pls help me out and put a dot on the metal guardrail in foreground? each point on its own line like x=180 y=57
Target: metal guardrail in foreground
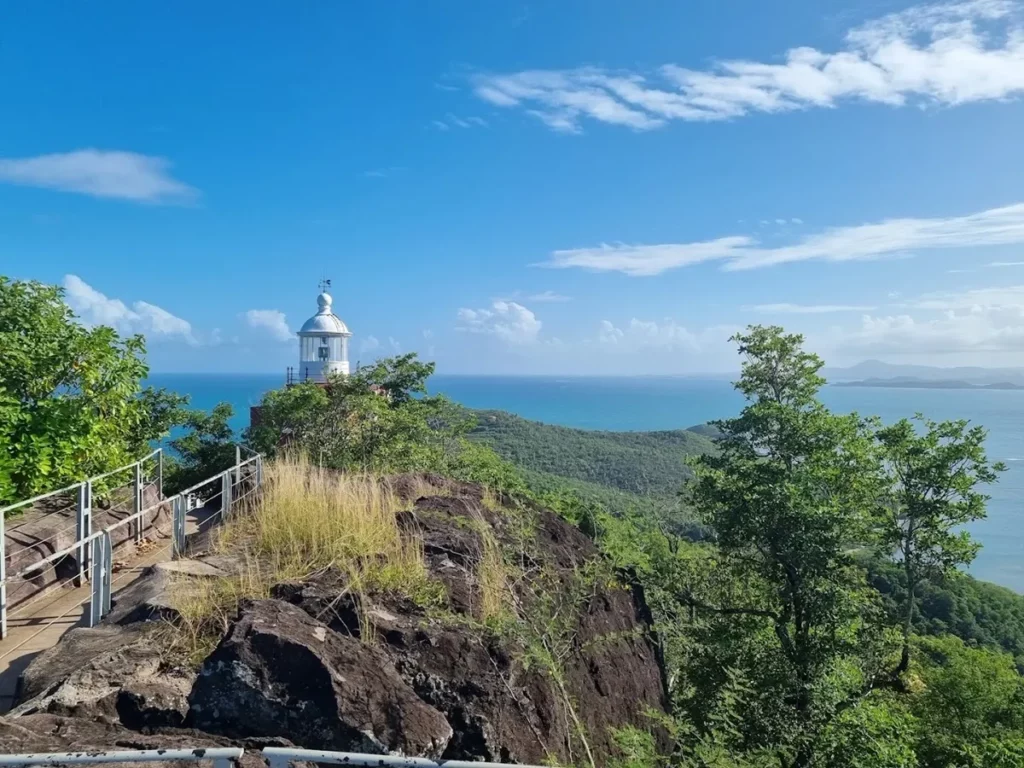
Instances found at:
x=221 y=757
x=276 y=757
x=282 y=757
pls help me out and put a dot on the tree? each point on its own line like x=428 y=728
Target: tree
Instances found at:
x=207 y=449
x=71 y=401
x=379 y=420
x=792 y=489
x=932 y=480
x=970 y=705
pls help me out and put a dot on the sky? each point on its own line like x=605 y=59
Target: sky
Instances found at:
x=572 y=187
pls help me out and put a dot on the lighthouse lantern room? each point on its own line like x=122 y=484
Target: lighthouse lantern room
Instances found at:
x=323 y=342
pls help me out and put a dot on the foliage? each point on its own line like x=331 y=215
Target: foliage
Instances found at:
x=792 y=487
x=640 y=463
x=71 y=400
x=970 y=706
x=207 y=449
x=976 y=611
x=378 y=420
x=932 y=479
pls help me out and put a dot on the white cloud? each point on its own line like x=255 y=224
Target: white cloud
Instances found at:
x=1007 y=264
x=796 y=221
x=997 y=226
x=781 y=222
x=395 y=346
x=99 y=173
x=509 y=321
x=271 y=320
x=946 y=54
x=651 y=336
x=544 y=297
x=428 y=334
x=809 y=309
x=368 y=344
x=976 y=321
x=94 y=308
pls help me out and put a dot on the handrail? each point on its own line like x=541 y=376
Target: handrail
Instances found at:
x=221 y=757
x=282 y=757
x=86 y=539
x=73 y=486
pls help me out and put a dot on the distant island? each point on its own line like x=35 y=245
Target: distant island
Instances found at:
x=904 y=382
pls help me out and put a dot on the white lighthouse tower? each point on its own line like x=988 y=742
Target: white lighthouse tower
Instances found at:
x=323 y=342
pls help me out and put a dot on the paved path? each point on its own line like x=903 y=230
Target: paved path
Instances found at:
x=33 y=628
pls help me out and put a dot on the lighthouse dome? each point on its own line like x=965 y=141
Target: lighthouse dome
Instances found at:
x=324 y=321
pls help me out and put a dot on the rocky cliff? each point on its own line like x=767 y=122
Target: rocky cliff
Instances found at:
x=529 y=650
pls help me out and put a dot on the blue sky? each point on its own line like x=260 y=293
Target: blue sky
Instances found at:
x=570 y=187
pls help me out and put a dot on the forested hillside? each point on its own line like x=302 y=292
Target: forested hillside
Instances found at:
x=641 y=463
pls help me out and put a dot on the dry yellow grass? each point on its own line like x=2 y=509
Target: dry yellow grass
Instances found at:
x=493 y=580
x=308 y=520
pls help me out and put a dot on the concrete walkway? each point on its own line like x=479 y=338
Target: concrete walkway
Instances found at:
x=39 y=625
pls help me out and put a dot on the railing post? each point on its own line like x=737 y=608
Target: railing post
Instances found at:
x=160 y=472
x=225 y=496
x=83 y=528
x=102 y=565
x=238 y=462
x=137 y=488
x=178 y=505
x=3 y=577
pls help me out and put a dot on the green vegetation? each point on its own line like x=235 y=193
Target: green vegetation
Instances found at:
x=639 y=463
x=619 y=472
x=71 y=399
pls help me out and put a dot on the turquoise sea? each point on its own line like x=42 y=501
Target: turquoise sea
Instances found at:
x=650 y=403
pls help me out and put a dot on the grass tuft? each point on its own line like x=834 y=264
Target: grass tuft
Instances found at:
x=307 y=520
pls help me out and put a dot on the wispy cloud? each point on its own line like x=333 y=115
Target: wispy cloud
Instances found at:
x=273 y=321
x=454 y=121
x=809 y=309
x=94 y=308
x=997 y=226
x=946 y=54
x=544 y=297
x=123 y=175
x=508 y=320
x=369 y=344
x=1006 y=264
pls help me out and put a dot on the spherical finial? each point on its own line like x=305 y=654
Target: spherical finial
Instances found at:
x=324 y=302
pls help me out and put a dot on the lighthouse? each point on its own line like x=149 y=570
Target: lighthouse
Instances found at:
x=323 y=342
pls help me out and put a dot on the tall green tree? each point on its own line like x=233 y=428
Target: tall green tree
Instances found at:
x=933 y=474
x=71 y=400
x=791 y=491
x=206 y=449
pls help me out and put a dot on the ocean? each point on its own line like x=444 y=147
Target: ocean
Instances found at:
x=652 y=403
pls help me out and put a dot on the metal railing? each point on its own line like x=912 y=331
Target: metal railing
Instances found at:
x=93 y=551
x=276 y=757
x=221 y=757
x=135 y=478
x=282 y=757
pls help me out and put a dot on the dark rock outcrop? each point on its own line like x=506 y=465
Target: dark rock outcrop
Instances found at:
x=279 y=672
x=325 y=665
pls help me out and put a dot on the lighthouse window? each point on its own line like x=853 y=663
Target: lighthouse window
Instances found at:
x=324 y=353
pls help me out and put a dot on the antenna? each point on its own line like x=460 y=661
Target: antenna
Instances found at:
x=325 y=283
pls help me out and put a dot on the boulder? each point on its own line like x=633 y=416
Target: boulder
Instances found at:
x=280 y=672
x=115 y=672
